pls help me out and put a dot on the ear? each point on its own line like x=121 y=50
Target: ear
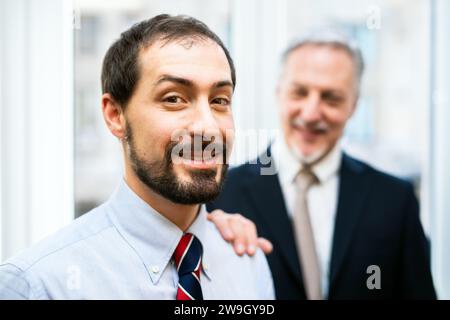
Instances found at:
x=113 y=115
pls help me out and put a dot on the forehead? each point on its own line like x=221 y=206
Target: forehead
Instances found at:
x=202 y=61
x=320 y=63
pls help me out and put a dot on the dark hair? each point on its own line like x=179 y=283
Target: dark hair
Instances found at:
x=120 y=70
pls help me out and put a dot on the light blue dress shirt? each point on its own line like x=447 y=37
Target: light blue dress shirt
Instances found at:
x=123 y=250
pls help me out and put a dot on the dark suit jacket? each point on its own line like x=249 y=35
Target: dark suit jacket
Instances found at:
x=377 y=223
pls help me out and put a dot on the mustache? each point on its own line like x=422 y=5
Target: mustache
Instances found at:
x=316 y=126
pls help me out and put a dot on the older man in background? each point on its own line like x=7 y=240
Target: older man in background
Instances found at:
x=340 y=228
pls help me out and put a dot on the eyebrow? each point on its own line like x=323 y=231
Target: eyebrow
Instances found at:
x=337 y=93
x=188 y=83
x=297 y=85
x=224 y=83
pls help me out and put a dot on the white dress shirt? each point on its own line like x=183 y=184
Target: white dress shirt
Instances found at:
x=123 y=250
x=322 y=197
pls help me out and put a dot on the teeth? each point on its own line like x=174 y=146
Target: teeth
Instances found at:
x=200 y=157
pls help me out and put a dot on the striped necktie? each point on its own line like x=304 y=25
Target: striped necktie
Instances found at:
x=188 y=261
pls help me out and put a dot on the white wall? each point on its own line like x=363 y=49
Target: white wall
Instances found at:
x=36 y=120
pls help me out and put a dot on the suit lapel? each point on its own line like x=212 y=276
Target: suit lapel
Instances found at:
x=353 y=190
x=266 y=196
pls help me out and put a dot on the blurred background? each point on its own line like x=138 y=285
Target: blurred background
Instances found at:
x=57 y=159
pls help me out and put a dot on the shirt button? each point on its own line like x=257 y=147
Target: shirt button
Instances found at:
x=155 y=269
x=205 y=266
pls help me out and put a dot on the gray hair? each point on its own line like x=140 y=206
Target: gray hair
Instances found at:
x=333 y=38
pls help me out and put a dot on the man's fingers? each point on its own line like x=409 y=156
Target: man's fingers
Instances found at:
x=220 y=219
x=265 y=245
x=240 y=231
x=240 y=238
x=252 y=237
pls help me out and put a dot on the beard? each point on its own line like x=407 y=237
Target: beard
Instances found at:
x=312 y=158
x=160 y=176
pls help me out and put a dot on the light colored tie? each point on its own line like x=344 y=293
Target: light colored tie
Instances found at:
x=305 y=238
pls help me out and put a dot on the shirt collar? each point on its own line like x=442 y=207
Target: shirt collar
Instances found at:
x=149 y=233
x=288 y=165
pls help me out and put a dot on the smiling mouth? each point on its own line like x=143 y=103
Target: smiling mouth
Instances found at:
x=311 y=131
x=199 y=156
x=308 y=135
x=315 y=128
x=204 y=158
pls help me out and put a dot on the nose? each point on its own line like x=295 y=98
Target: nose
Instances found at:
x=310 y=109
x=204 y=122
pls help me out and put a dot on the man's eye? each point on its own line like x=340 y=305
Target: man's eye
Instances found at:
x=173 y=99
x=333 y=99
x=333 y=102
x=301 y=93
x=221 y=101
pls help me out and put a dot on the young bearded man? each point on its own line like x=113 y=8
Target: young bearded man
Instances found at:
x=167 y=89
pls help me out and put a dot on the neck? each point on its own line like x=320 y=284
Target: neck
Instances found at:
x=179 y=214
